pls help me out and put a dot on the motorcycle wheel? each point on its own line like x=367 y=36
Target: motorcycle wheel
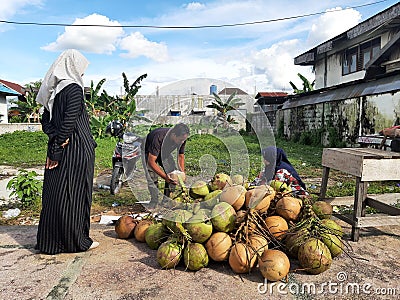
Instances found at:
x=116 y=180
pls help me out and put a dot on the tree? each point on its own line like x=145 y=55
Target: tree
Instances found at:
x=93 y=103
x=104 y=108
x=307 y=86
x=223 y=107
x=28 y=107
x=128 y=109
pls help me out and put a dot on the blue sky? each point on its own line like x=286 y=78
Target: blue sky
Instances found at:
x=253 y=57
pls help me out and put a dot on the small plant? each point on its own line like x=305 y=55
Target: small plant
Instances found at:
x=26 y=187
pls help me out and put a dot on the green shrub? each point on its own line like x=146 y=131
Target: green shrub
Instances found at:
x=27 y=188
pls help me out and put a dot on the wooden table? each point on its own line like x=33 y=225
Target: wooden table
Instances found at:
x=374 y=141
x=366 y=164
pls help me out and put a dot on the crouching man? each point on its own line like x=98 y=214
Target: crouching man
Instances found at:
x=159 y=146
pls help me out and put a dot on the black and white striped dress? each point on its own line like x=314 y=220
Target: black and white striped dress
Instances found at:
x=67 y=189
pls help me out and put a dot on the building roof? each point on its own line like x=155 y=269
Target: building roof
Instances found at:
x=270 y=94
x=231 y=90
x=389 y=17
x=13 y=86
x=348 y=90
x=7 y=91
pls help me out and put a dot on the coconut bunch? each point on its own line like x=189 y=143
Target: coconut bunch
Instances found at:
x=250 y=228
x=227 y=221
x=316 y=238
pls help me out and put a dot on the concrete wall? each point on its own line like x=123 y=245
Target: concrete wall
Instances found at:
x=3 y=109
x=11 y=127
x=349 y=118
x=333 y=72
x=161 y=105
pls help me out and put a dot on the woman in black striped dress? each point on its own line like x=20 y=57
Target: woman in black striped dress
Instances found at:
x=68 y=178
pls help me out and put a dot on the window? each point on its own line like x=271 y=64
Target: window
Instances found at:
x=350 y=61
x=369 y=50
x=355 y=59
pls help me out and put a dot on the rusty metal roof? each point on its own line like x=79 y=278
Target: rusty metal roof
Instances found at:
x=346 y=91
x=270 y=94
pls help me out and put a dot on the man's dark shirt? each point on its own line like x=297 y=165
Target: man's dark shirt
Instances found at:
x=156 y=146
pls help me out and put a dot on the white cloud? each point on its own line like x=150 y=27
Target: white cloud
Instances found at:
x=275 y=64
x=269 y=68
x=10 y=8
x=194 y=6
x=89 y=39
x=137 y=45
x=332 y=23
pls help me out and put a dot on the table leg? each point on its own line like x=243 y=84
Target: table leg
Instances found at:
x=359 y=207
x=324 y=184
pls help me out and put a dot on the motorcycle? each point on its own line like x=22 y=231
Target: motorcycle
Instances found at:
x=127 y=152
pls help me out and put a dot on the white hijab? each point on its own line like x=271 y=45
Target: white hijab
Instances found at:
x=68 y=68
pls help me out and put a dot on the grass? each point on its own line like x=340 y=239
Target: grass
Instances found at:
x=23 y=149
x=27 y=149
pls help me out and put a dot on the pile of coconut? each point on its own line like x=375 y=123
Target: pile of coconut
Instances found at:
x=250 y=227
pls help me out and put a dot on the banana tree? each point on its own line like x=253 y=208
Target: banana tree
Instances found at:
x=29 y=108
x=307 y=85
x=93 y=102
x=127 y=109
x=223 y=107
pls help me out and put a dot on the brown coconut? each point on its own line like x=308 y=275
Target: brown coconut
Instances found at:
x=242 y=258
x=258 y=243
x=218 y=246
x=234 y=195
x=140 y=230
x=124 y=227
x=288 y=207
x=259 y=198
x=323 y=209
x=277 y=226
x=274 y=264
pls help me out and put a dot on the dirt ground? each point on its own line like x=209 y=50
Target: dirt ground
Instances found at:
x=127 y=269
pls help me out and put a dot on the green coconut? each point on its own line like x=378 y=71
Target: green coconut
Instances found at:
x=219 y=181
x=201 y=215
x=237 y=179
x=199 y=189
x=195 y=256
x=169 y=254
x=294 y=240
x=333 y=227
x=176 y=216
x=200 y=232
x=323 y=209
x=223 y=217
x=334 y=243
x=314 y=256
x=280 y=186
x=211 y=199
x=155 y=235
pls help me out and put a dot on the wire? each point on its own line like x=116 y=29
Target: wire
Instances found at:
x=189 y=27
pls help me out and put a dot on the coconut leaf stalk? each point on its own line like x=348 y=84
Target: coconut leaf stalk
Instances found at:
x=253 y=224
x=312 y=227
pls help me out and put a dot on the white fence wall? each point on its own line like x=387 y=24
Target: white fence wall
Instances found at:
x=11 y=127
